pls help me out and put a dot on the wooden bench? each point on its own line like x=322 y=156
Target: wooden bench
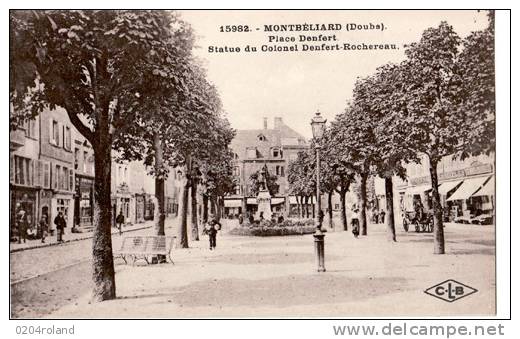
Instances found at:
x=143 y=247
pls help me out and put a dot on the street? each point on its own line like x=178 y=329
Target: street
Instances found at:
x=269 y=276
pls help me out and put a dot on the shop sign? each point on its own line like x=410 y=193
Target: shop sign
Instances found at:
x=479 y=169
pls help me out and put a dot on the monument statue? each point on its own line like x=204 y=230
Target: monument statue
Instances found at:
x=264 y=197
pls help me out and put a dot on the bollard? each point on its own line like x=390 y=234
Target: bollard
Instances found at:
x=319 y=248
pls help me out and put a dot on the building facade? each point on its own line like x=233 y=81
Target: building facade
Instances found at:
x=466 y=187
x=52 y=170
x=253 y=149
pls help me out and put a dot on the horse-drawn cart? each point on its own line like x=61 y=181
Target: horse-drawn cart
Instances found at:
x=422 y=222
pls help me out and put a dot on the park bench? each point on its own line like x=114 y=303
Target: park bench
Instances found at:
x=145 y=247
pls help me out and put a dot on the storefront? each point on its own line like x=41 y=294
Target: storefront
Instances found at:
x=473 y=198
x=62 y=203
x=139 y=208
x=23 y=199
x=232 y=207
x=149 y=208
x=84 y=201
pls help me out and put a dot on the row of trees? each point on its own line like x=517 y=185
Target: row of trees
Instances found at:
x=128 y=82
x=438 y=102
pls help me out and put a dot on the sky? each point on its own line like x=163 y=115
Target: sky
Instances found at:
x=294 y=85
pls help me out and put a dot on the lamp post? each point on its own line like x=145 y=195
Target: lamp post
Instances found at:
x=318 y=128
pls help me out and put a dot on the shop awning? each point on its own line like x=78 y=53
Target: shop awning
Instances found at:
x=233 y=203
x=251 y=201
x=445 y=187
x=487 y=189
x=468 y=187
x=276 y=201
x=418 y=189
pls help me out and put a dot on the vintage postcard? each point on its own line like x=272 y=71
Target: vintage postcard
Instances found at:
x=252 y=164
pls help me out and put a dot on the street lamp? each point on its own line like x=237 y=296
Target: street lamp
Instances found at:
x=318 y=128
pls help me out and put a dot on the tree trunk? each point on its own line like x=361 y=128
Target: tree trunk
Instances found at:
x=329 y=207
x=342 y=195
x=298 y=206
x=194 y=221
x=103 y=274
x=183 y=229
x=363 y=202
x=313 y=209
x=438 y=227
x=204 y=208
x=159 y=182
x=218 y=209
x=390 y=222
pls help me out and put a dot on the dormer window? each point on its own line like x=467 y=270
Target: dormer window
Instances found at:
x=261 y=137
x=276 y=153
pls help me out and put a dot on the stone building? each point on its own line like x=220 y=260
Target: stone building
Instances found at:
x=273 y=147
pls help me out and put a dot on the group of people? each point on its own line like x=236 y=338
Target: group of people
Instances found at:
x=25 y=232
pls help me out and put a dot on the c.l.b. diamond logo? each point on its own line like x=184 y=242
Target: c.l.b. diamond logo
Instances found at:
x=450 y=290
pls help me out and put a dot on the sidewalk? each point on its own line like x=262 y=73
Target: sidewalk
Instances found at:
x=276 y=277
x=69 y=237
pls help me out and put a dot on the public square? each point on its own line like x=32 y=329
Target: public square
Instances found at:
x=275 y=277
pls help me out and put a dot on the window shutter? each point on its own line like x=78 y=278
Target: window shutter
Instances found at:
x=56 y=176
x=71 y=180
x=46 y=175
x=51 y=134
x=11 y=168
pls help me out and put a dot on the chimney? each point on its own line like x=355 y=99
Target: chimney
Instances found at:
x=278 y=122
x=265 y=123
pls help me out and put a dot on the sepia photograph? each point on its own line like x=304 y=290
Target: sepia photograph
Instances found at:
x=252 y=164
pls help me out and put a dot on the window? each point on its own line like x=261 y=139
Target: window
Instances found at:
x=46 y=181
x=276 y=153
x=64 y=180
x=280 y=171
x=55 y=133
x=236 y=171
x=57 y=171
x=30 y=128
x=66 y=138
x=85 y=162
x=126 y=174
x=76 y=159
x=71 y=180
x=23 y=171
x=37 y=172
x=237 y=189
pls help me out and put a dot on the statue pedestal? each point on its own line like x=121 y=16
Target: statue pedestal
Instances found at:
x=264 y=205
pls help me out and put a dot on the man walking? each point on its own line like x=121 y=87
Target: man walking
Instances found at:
x=60 y=223
x=22 y=226
x=44 y=225
x=120 y=219
x=211 y=230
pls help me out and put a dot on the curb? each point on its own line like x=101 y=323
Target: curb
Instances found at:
x=72 y=240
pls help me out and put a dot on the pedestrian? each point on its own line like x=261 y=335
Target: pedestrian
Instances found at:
x=211 y=229
x=355 y=221
x=60 y=223
x=382 y=215
x=240 y=219
x=44 y=225
x=251 y=218
x=22 y=226
x=120 y=219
